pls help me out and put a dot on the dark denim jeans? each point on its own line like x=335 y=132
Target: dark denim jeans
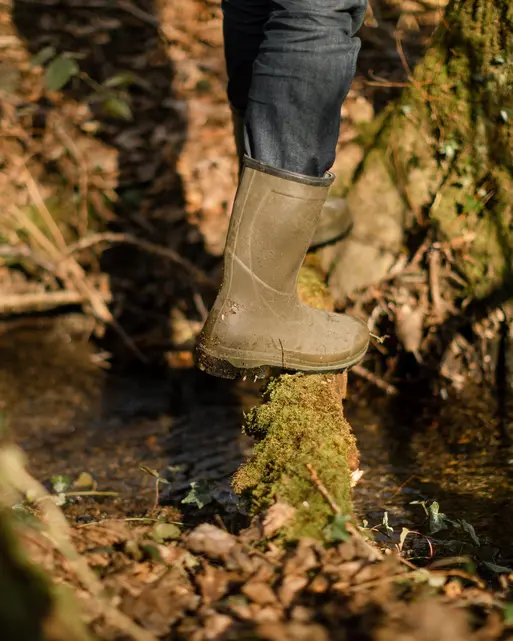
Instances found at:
x=290 y=64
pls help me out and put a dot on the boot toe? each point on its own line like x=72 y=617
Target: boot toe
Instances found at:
x=348 y=339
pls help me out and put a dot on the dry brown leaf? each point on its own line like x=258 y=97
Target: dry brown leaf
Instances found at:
x=213 y=583
x=409 y=323
x=259 y=592
x=276 y=517
x=291 y=585
x=211 y=541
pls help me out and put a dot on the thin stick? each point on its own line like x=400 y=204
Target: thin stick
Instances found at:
x=434 y=282
x=75 y=278
x=37 y=301
x=165 y=252
x=90 y=493
x=38 y=201
x=379 y=382
x=24 y=251
x=83 y=176
x=374 y=553
x=322 y=489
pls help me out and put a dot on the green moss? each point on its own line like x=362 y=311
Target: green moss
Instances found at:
x=370 y=131
x=312 y=290
x=300 y=422
x=461 y=104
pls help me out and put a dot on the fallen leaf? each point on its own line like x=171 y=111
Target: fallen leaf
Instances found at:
x=276 y=517
x=259 y=592
x=211 y=541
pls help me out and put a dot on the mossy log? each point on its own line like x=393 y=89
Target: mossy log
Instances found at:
x=441 y=158
x=300 y=423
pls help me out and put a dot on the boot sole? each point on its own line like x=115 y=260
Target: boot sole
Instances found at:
x=223 y=368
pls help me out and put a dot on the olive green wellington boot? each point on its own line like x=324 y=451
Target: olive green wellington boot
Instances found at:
x=257 y=321
x=335 y=221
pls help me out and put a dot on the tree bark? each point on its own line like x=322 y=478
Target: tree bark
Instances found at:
x=440 y=162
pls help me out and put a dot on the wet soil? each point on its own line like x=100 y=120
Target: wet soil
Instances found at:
x=72 y=416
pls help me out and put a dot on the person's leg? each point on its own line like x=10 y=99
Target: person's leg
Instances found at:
x=300 y=78
x=243 y=31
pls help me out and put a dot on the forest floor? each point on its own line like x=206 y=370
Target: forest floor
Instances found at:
x=137 y=151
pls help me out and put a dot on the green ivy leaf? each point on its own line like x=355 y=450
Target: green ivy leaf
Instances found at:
x=437 y=520
x=200 y=494
x=508 y=614
x=337 y=531
x=121 y=79
x=59 y=72
x=116 y=107
x=42 y=57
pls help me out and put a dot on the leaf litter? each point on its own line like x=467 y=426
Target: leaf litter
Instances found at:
x=211 y=584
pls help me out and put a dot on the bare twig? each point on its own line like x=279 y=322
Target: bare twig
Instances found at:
x=24 y=251
x=376 y=380
x=434 y=282
x=322 y=489
x=38 y=201
x=83 y=176
x=38 y=301
x=373 y=583
x=373 y=553
x=90 y=493
x=152 y=248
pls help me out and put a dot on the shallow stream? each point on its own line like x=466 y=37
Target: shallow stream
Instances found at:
x=71 y=416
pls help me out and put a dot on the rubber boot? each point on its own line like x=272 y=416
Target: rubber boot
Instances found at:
x=335 y=221
x=257 y=321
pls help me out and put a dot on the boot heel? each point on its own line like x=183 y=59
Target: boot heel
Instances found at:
x=223 y=369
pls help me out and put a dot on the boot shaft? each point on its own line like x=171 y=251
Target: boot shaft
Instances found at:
x=274 y=218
